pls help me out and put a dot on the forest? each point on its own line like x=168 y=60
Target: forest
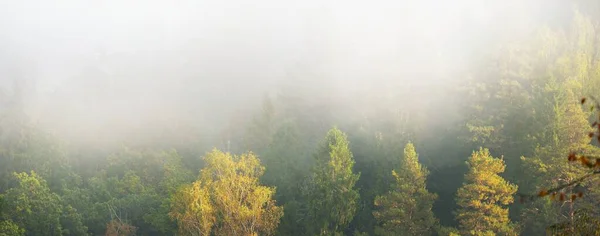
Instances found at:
x=476 y=142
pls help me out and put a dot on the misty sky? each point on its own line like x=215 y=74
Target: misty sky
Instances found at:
x=89 y=64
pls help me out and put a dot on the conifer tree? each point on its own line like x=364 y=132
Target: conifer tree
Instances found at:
x=483 y=198
x=332 y=199
x=406 y=209
x=287 y=169
x=568 y=132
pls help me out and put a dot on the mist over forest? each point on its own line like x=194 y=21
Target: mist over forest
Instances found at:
x=299 y=118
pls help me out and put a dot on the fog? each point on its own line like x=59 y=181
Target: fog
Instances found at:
x=324 y=117
x=92 y=69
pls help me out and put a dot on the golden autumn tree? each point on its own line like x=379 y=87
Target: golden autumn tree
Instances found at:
x=483 y=198
x=192 y=209
x=227 y=199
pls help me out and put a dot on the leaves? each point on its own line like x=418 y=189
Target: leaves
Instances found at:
x=9 y=228
x=227 y=199
x=32 y=206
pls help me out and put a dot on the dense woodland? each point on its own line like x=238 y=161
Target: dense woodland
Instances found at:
x=313 y=164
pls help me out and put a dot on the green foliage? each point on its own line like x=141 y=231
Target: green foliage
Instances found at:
x=36 y=151
x=548 y=164
x=332 y=197
x=33 y=207
x=72 y=222
x=286 y=166
x=406 y=209
x=375 y=154
x=134 y=187
x=260 y=132
x=358 y=233
x=9 y=228
x=483 y=197
x=447 y=231
x=284 y=162
x=585 y=222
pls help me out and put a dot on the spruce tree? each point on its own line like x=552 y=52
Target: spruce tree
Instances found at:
x=483 y=198
x=406 y=209
x=332 y=199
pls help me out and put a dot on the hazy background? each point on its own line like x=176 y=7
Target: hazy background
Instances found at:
x=105 y=70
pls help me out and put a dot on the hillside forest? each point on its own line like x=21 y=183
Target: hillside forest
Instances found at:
x=414 y=159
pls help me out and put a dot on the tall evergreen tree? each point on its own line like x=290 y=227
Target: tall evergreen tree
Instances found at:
x=332 y=199
x=287 y=168
x=375 y=157
x=406 y=209
x=567 y=132
x=483 y=198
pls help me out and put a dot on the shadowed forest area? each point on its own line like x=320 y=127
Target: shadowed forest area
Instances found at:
x=313 y=118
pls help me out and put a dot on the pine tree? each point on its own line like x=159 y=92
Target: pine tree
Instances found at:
x=332 y=199
x=567 y=133
x=483 y=198
x=406 y=209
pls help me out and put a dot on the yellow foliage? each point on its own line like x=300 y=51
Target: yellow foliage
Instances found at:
x=227 y=199
x=483 y=197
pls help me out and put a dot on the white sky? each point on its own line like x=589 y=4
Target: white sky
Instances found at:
x=188 y=56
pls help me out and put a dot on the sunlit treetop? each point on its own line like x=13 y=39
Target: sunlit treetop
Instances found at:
x=590 y=162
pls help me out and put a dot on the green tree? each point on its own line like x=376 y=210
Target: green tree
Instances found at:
x=287 y=168
x=376 y=155
x=406 y=209
x=71 y=221
x=32 y=149
x=260 y=131
x=25 y=147
x=483 y=198
x=132 y=189
x=227 y=199
x=332 y=199
x=33 y=207
x=566 y=132
x=9 y=228
x=284 y=162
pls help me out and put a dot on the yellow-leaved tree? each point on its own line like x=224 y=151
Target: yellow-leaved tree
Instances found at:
x=227 y=199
